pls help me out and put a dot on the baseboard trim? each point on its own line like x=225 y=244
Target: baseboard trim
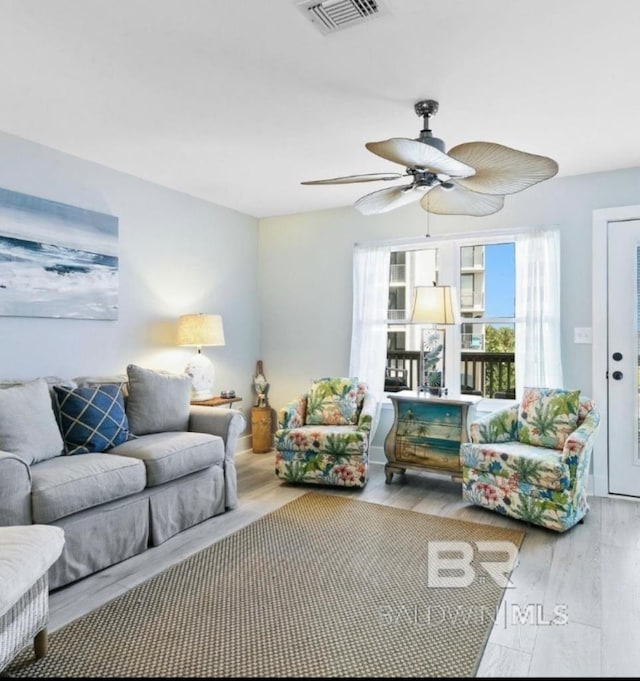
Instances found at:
x=377 y=455
x=244 y=444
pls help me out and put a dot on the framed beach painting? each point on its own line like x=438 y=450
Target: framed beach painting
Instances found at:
x=56 y=260
x=432 y=359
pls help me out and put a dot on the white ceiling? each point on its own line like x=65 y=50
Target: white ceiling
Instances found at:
x=238 y=101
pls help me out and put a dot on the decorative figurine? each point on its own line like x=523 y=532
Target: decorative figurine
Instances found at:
x=261 y=386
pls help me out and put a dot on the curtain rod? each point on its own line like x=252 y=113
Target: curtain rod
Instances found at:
x=425 y=240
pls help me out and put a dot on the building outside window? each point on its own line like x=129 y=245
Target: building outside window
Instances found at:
x=483 y=347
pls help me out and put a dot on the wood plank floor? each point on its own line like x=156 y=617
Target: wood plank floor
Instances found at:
x=591 y=572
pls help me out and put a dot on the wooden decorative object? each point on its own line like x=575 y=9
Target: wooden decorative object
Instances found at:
x=260 y=386
x=261 y=430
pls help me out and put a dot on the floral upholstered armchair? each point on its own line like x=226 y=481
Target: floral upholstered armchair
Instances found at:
x=323 y=436
x=531 y=460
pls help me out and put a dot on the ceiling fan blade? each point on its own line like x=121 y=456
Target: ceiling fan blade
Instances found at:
x=388 y=199
x=414 y=154
x=461 y=201
x=500 y=169
x=369 y=177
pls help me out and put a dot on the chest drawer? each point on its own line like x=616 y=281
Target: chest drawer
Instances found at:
x=430 y=412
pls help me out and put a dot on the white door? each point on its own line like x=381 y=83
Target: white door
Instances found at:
x=623 y=348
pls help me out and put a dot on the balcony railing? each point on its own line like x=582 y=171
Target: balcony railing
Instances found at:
x=472 y=341
x=490 y=374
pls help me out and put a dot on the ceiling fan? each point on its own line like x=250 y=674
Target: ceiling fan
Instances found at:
x=471 y=179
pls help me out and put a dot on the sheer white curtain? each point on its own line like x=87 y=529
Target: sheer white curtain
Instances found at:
x=370 y=305
x=538 y=351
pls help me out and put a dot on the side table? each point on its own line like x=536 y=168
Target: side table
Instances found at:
x=217 y=401
x=427 y=433
x=261 y=430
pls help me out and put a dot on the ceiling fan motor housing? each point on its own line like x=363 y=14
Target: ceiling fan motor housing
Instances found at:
x=426 y=137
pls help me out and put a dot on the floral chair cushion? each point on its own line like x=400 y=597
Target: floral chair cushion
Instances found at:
x=524 y=463
x=547 y=416
x=338 y=441
x=332 y=402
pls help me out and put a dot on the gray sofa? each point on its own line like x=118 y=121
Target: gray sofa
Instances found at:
x=115 y=503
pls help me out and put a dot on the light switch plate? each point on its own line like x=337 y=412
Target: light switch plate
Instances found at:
x=582 y=334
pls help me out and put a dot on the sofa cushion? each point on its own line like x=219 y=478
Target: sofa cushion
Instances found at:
x=520 y=463
x=547 y=416
x=91 y=418
x=28 y=425
x=332 y=402
x=120 y=380
x=158 y=401
x=68 y=484
x=168 y=456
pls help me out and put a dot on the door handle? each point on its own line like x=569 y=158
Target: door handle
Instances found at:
x=617 y=375
x=617 y=356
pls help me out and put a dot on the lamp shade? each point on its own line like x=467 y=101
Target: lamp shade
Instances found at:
x=200 y=330
x=435 y=305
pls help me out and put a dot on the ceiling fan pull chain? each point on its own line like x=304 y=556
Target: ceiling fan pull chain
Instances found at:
x=428 y=234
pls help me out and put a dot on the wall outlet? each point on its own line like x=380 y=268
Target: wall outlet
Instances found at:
x=582 y=334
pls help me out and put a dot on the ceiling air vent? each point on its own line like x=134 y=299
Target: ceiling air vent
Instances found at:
x=332 y=15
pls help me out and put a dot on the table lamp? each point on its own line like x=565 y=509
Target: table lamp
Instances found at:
x=433 y=305
x=200 y=330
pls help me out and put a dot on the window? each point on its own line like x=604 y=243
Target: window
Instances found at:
x=524 y=262
x=483 y=347
x=487 y=286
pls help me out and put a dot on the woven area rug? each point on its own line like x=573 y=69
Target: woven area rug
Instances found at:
x=323 y=587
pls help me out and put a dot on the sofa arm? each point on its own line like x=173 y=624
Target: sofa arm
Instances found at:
x=15 y=490
x=293 y=414
x=498 y=426
x=227 y=424
x=576 y=454
x=579 y=445
x=221 y=421
x=368 y=412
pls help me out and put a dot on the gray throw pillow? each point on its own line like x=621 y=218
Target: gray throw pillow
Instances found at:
x=28 y=426
x=158 y=401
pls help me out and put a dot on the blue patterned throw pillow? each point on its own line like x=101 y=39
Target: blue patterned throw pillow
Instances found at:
x=91 y=418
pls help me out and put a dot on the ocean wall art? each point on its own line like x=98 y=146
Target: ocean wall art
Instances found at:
x=56 y=260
